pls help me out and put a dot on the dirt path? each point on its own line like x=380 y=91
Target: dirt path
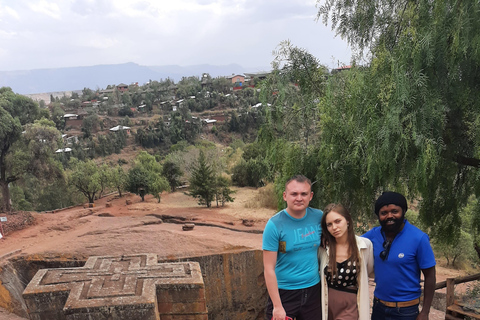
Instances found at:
x=138 y=227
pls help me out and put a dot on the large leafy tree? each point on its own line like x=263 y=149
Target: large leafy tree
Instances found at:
x=410 y=119
x=10 y=130
x=18 y=155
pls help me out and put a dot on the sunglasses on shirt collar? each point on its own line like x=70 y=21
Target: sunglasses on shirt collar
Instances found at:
x=386 y=249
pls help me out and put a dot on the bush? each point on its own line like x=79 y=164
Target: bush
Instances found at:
x=250 y=173
x=266 y=198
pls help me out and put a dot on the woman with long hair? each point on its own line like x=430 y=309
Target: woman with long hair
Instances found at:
x=346 y=262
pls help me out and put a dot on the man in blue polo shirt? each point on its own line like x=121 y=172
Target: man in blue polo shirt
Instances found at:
x=290 y=242
x=401 y=251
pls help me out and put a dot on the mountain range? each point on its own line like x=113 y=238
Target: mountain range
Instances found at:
x=100 y=76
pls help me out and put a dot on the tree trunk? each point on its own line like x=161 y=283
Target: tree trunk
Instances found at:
x=477 y=248
x=119 y=192
x=6 y=207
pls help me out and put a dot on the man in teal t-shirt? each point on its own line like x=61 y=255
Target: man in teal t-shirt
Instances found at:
x=290 y=242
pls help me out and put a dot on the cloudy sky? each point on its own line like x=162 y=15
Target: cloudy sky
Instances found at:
x=36 y=34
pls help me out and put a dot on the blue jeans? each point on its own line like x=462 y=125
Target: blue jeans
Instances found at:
x=382 y=312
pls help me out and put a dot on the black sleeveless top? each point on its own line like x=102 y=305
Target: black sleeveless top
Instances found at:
x=346 y=278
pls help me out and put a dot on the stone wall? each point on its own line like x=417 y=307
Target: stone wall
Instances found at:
x=235 y=285
x=234 y=282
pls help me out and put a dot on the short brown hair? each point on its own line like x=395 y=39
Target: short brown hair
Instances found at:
x=299 y=178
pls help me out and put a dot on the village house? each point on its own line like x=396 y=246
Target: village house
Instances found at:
x=122 y=87
x=237 y=79
x=210 y=122
x=120 y=127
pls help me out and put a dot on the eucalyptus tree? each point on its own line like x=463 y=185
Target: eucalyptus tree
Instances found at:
x=10 y=131
x=28 y=153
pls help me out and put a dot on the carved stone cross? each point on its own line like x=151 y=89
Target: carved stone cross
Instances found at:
x=113 y=288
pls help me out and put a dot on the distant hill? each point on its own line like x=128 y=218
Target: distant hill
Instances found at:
x=93 y=77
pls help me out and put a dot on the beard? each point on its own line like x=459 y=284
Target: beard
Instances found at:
x=392 y=228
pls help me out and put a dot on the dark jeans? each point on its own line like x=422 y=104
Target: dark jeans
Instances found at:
x=301 y=304
x=382 y=312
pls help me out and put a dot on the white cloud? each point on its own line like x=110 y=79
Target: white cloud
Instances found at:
x=51 y=9
x=59 y=33
x=9 y=11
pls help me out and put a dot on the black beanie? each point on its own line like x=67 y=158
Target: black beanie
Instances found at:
x=390 y=197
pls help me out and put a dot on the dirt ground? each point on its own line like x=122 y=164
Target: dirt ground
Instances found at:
x=148 y=227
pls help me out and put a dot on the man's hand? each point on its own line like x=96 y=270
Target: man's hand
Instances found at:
x=428 y=292
x=279 y=313
x=422 y=316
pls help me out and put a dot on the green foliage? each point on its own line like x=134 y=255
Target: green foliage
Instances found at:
x=223 y=192
x=118 y=178
x=85 y=177
x=32 y=193
x=57 y=116
x=410 y=120
x=293 y=90
x=145 y=177
x=90 y=125
x=266 y=198
x=16 y=110
x=113 y=142
x=253 y=151
x=462 y=249
x=251 y=173
x=172 y=172
x=87 y=94
x=152 y=135
x=203 y=181
x=221 y=84
x=188 y=86
x=183 y=127
x=35 y=151
x=18 y=106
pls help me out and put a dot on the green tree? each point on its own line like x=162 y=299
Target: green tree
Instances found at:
x=105 y=178
x=15 y=159
x=172 y=172
x=203 y=181
x=18 y=106
x=34 y=152
x=57 y=116
x=188 y=86
x=88 y=94
x=10 y=130
x=119 y=179
x=90 y=125
x=293 y=90
x=221 y=84
x=85 y=177
x=417 y=128
x=145 y=177
x=223 y=192
x=251 y=173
